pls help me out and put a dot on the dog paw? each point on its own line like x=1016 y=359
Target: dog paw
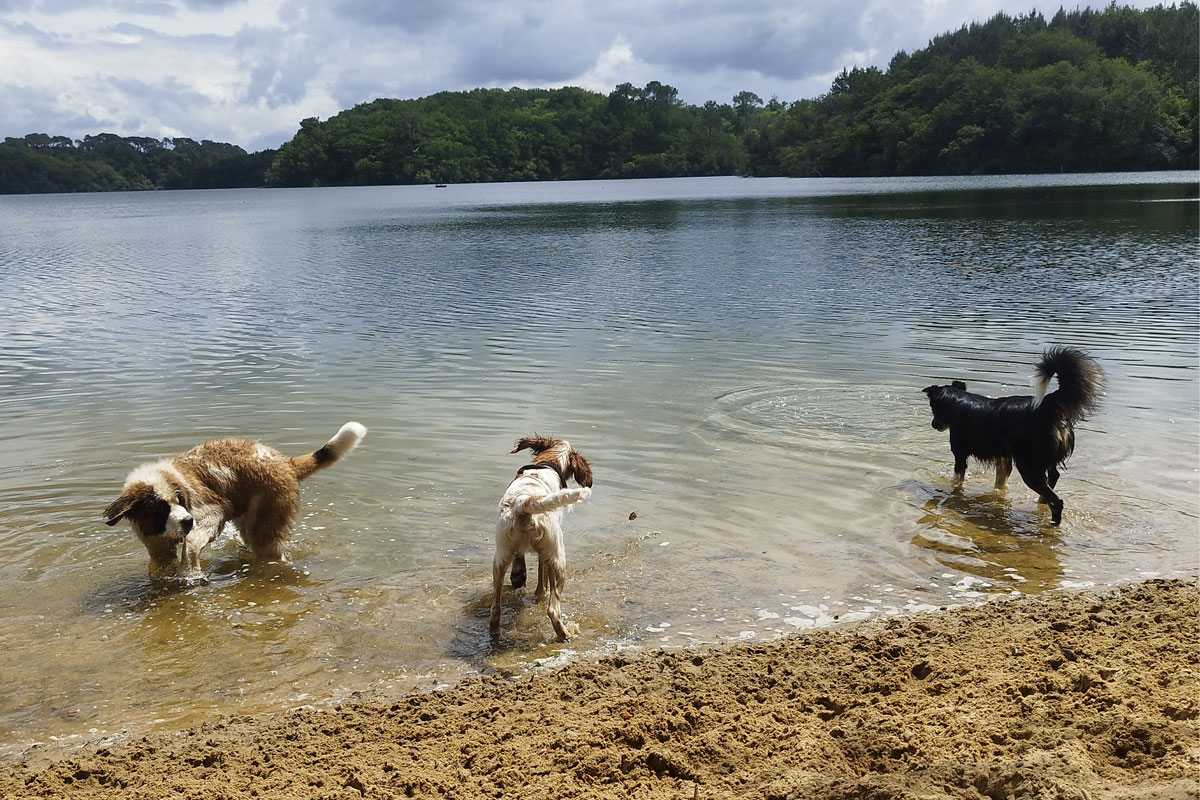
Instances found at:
x=584 y=493
x=517 y=574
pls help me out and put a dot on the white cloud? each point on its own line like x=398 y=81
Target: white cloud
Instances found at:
x=613 y=66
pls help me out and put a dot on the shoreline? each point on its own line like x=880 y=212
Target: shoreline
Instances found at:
x=1082 y=694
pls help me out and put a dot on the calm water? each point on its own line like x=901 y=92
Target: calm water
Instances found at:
x=741 y=360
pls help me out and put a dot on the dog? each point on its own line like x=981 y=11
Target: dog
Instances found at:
x=530 y=521
x=187 y=499
x=1036 y=434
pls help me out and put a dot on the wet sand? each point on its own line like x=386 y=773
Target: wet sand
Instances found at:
x=1062 y=696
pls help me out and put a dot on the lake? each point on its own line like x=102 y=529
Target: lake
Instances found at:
x=741 y=360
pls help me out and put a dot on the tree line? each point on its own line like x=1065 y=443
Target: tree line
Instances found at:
x=107 y=162
x=1087 y=90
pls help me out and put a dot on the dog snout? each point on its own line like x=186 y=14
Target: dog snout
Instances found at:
x=186 y=524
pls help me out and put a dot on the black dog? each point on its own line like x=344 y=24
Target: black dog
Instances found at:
x=1037 y=434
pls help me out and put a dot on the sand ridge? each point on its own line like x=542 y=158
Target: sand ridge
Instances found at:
x=1064 y=696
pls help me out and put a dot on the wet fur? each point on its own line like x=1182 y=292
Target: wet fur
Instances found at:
x=1036 y=434
x=530 y=521
x=187 y=499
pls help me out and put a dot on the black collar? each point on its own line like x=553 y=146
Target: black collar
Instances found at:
x=544 y=465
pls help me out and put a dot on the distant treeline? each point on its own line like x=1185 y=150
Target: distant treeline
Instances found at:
x=1088 y=90
x=107 y=162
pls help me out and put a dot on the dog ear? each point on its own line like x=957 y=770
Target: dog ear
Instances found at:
x=118 y=508
x=580 y=468
x=535 y=444
x=121 y=507
x=959 y=385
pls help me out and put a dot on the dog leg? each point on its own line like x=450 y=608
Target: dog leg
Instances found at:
x=193 y=544
x=1056 y=509
x=541 y=586
x=556 y=575
x=265 y=527
x=1053 y=473
x=1003 y=470
x=517 y=576
x=1035 y=478
x=960 y=469
x=270 y=548
x=265 y=531
x=499 y=567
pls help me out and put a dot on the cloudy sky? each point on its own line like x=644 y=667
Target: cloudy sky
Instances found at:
x=247 y=71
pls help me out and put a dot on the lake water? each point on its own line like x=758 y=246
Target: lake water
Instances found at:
x=741 y=361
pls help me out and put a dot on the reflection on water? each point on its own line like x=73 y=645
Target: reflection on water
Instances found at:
x=982 y=534
x=741 y=361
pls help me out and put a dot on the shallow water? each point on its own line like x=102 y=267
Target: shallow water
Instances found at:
x=741 y=361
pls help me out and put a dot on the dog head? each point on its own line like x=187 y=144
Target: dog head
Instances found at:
x=941 y=403
x=155 y=503
x=570 y=462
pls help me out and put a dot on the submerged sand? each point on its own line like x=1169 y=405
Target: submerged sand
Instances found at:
x=1074 y=695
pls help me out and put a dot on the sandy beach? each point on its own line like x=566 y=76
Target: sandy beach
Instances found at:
x=1065 y=696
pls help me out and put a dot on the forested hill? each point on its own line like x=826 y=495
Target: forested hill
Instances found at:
x=1085 y=91
x=1114 y=89
x=107 y=162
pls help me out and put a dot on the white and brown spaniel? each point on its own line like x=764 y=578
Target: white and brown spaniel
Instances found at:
x=530 y=521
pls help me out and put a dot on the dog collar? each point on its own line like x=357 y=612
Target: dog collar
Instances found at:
x=544 y=465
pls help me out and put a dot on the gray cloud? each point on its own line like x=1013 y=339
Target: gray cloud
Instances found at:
x=167 y=93
x=56 y=7
x=42 y=39
x=277 y=64
x=417 y=17
x=129 y=29
x=210 y=5
x=151 y=9
x=526 y=48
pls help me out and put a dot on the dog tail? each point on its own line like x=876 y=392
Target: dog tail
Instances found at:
x=555 y=500
x=1080 y=383
x=343 y=442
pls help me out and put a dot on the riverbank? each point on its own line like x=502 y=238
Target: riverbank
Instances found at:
x=1073 y=695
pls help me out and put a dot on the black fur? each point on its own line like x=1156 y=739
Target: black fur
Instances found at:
x=1037 y=438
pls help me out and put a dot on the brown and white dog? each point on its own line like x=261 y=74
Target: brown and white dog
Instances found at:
x=530 y=521
x=187 y=499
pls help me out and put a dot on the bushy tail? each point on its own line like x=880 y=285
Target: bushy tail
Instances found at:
x=1080 y=383
x=552 y=501
x=343 y=442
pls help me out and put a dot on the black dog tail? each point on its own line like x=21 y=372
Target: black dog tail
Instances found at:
x=1080 y=383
